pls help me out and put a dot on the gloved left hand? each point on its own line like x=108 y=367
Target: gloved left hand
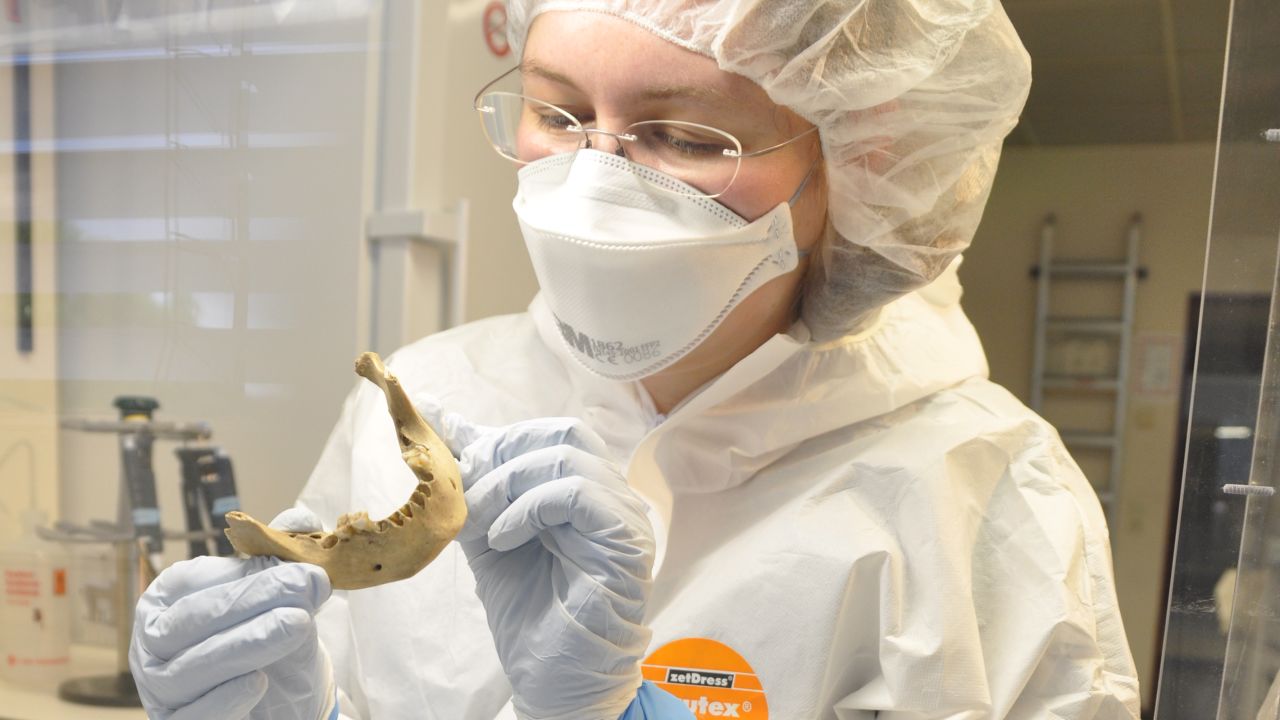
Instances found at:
x=228 y=638
x=562 y=551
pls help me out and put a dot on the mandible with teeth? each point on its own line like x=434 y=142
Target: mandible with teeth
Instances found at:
x=361 y=552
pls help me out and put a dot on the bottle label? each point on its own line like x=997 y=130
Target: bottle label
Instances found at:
x=19 y=661
x=21 y=586
x=35 y=618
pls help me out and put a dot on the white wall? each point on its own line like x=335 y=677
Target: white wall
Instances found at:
x=454 y=159
x=1094 y=191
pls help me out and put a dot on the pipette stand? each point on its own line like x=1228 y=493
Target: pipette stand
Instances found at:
x=134 y=570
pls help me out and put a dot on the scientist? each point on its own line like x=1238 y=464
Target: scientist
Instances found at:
x=739 y=458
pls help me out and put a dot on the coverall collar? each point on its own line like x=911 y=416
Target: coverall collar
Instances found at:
x=788 y=391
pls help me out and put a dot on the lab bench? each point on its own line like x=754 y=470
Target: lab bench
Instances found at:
x=18 y=702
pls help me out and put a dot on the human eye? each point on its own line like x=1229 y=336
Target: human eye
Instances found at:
x=688 y=141
x=542 y=116
x=551 y=120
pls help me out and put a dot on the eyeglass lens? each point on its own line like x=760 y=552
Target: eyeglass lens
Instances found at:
x=525 y=129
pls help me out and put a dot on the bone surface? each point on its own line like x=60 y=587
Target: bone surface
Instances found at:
x=362 y=552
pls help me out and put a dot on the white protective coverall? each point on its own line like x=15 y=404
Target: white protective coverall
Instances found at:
x=868 y=522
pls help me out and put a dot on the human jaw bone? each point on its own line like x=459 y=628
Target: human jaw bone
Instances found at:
x=361 y=552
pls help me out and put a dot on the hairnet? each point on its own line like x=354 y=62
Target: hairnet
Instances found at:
x=912 y=99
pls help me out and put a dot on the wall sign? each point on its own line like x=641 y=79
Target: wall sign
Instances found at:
x=495 y=29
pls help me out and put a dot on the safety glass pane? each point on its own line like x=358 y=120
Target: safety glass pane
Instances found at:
x=1221 y=653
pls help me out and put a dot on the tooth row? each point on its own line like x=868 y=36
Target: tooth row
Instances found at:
x=359 y=522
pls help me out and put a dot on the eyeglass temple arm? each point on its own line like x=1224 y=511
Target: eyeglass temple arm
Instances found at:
x=475 y=102
x=782 y=144
x=804 y=183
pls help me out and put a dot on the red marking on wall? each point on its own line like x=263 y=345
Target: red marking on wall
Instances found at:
x=495 y=29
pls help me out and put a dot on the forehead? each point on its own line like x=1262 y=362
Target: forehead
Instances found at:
x=608 y=57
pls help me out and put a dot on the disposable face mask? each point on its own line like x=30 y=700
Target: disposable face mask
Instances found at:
x=636 y=277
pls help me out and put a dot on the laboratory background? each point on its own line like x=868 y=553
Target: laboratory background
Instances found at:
x=209 y=209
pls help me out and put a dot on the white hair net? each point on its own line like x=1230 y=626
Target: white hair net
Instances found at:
x=912 y=99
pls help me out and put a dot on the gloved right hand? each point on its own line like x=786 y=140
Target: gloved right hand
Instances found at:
x=229 y=638
x=562 y=552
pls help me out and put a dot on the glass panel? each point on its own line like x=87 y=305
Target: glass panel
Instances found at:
x=183 y=194
x=1221 y=640
x=196 y=166
x=216 y=206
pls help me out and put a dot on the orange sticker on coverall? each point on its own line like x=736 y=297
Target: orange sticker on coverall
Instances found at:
x=712 y=679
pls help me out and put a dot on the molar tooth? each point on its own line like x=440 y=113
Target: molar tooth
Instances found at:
x=419 y=499
x=383 y=525
x=397 y=519
x=359 y=522
x=407 y=510
x=329 y=542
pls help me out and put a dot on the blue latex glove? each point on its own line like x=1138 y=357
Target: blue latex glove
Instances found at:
x=562 y=551
x=229 y=638
x=654 y=703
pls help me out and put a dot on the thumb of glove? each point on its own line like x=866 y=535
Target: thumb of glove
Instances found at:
x=298 y=520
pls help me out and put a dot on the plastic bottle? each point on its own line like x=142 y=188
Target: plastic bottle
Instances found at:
x=35 y=609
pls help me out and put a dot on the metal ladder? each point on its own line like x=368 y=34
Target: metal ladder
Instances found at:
x=1129 y=273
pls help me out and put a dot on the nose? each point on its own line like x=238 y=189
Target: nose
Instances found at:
x=605 y=141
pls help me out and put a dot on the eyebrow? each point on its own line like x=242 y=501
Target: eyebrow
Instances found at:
x=533 y=67
x=706 y=95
